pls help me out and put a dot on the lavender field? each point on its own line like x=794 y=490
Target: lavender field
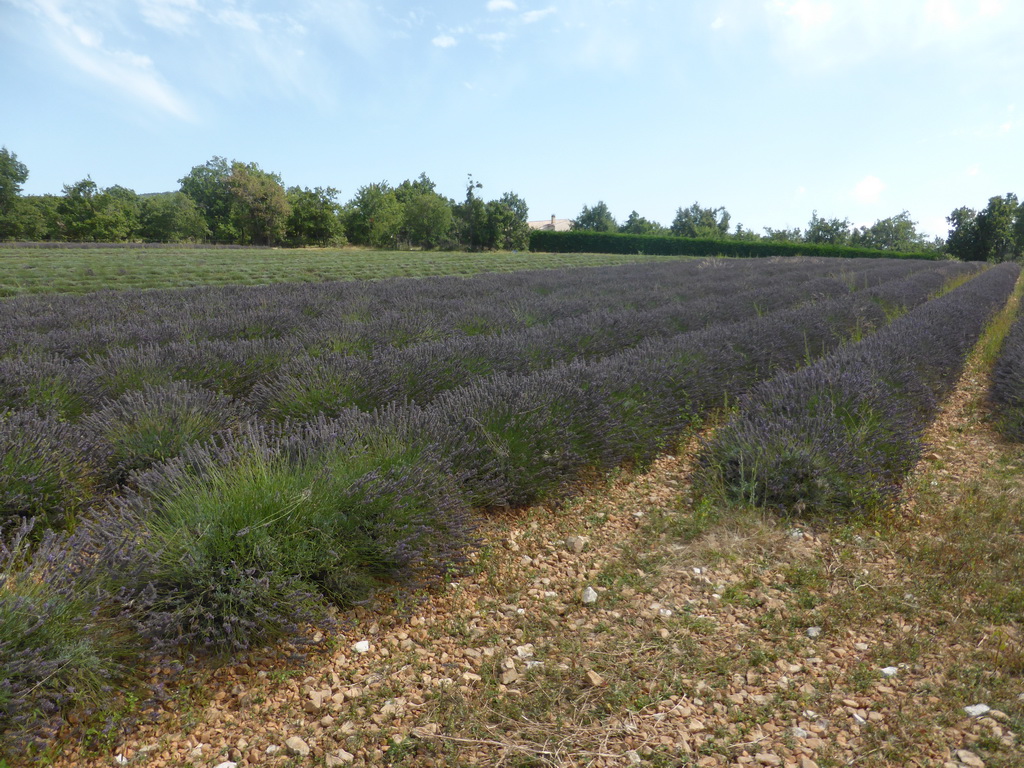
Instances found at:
x=207 y=470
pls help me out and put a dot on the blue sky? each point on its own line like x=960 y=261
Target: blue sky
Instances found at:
x=771 y=108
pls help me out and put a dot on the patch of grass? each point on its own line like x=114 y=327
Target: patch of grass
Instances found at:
x=82 y=270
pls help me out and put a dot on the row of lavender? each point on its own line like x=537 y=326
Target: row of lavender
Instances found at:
x=234 y=543
x=72 y=370
x=136 y=408
x=1007 y=391
x=840 y=435
x=362 y=315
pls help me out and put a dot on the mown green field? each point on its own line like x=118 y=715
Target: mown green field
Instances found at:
x=80 y=270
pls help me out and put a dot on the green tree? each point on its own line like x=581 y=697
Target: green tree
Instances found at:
x=747 y=235
x=259 y=206
x=638 y=225
x=963 y=242
x=374 y=216
x=427 y=217
x=13 y=175
x=427 y=220
x=316 y=217
x=696 y=221
x=77 y=210
x=507 y=223
x=793 y=235
x=33 y=217
x=471 y=218
x=996 y=229
x=171 y=217
x=820 y=230
x=207 y=185
x=596 y=219
x=896 y=233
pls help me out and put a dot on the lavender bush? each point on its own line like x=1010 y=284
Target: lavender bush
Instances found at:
x=840 y=434
x=66 y=643
x=49 y=468
x=1007 y=391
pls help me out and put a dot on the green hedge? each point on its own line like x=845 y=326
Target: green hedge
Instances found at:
x=609 y=242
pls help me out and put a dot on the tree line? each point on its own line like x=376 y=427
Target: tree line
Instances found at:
x=231 y=202
x=995 y=233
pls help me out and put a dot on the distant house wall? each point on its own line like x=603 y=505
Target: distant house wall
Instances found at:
x=552 y=224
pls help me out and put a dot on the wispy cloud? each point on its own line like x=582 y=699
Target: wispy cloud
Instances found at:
x=242 y=20
x=830 y=33
x=501 y=5
x=533 y=16
x=169 y=15
x=868 y=190
x=130 y=73
x=444 y=41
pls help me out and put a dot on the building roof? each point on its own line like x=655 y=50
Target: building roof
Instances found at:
x=552 y=224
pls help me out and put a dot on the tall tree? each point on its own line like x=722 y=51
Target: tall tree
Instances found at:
x=962 y=242
x=696 y=221
x=13 y=174
x=259 y=206
x=471 y=218
x=896 y=233
x=596 y=219
x=315 y=218
x=507 y=223
x=638 y=225
x=374 y=216
x=793 y=235
x=207 y=185
x=821 y=230
x=996 y=225
x=171 y=217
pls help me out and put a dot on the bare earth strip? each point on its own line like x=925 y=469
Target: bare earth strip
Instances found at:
x=716 y=638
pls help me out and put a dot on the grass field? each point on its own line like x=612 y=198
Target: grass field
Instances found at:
x=81 y=270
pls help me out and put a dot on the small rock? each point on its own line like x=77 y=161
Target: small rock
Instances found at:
x=806 y=762
x=977 y=710
x=813 y=632
x=575 y=544
x=766 y=758
x=524 y=651
x=633 y=757
x=508 y=676
x=339 y=757
x=889 y=671
x=120 y=759
x=273 y=749
x=799 y=733
x=589 y=596
x=297 y=746
x=227 y=764
x=594 y=679
x=861 y=646
x=969 y=759
x=363 y=646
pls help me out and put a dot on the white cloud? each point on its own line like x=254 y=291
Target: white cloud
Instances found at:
x=238 y=19
x=718 y=23
x=444 y=41
x=131 y=73
x=868 y=189
x=830 y=33
x=169 y=15
x=532 y=16
x=495 y=38
x=501 y=5
x=973 y=169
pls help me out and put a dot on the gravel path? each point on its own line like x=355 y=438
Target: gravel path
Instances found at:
x=712 y=639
